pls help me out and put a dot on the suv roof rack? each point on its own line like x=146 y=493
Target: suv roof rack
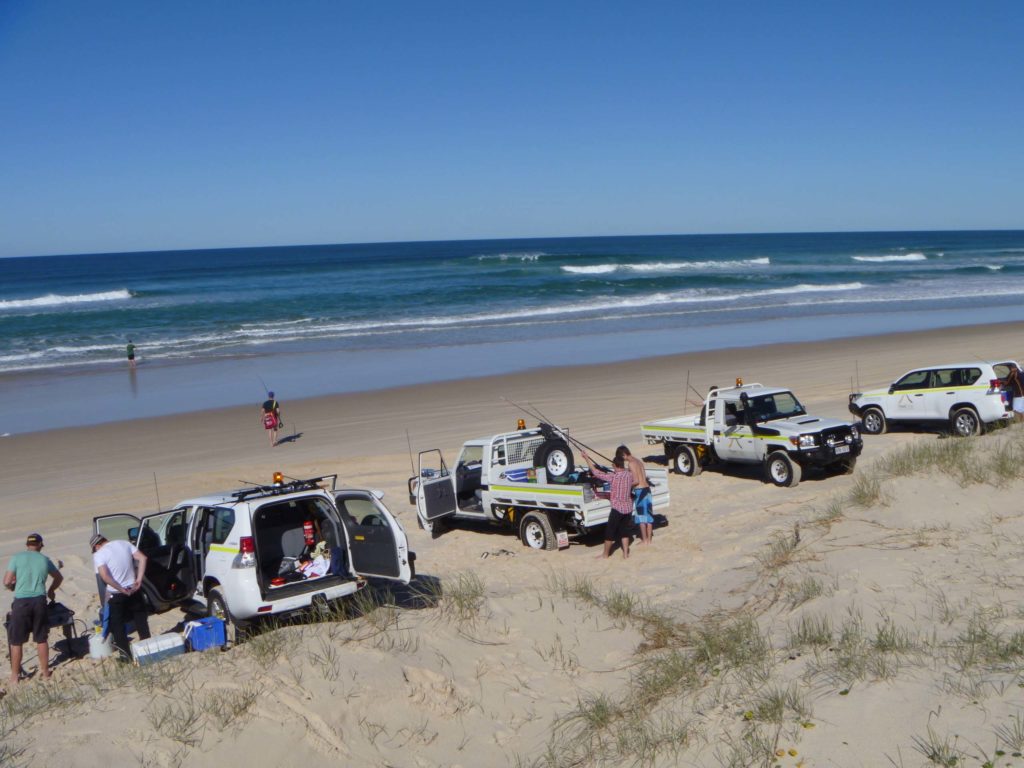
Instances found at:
x=292 y=486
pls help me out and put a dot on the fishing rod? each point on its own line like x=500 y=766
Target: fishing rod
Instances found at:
x=535 y=413
x=266 y=390
x=408 y=442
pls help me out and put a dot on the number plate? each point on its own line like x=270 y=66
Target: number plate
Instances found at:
x=842 y=449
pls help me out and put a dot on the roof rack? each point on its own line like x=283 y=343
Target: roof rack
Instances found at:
x=292 y=486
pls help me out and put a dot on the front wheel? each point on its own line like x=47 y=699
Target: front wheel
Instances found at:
x=873 y=421
x=536 y=531
x=965 y=422
x=686 y=462
x=782 y=470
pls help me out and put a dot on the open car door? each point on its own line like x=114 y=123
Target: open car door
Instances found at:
x=377 y=543
x=435 y=494
x=169 y=578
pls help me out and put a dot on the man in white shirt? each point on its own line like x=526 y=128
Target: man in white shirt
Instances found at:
x=121 y=566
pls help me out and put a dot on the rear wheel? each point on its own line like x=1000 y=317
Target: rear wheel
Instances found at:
x=965 y=422
x=873 y=421
x=782 y=470
x=536 y=531
x=217 y=607
x=686 y=462
x=555 y=457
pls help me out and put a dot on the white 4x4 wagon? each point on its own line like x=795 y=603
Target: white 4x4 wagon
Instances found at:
x=266 y=550
x=967 y=396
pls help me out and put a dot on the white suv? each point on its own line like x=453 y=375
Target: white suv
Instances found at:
x=266 y=550
x=967 y=396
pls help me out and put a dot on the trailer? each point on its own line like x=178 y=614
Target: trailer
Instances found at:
x=525 y=481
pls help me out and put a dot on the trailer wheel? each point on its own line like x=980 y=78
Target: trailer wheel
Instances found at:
x=555 y=456
x=782 y=470
x=686 y=462
x=536 y=531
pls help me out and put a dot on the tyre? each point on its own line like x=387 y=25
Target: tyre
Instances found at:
x=536 y=531
x=964 y=422
x=217 y=607
x=686 y=462
x=873 y=421
x=782 y=470
x=555 y=457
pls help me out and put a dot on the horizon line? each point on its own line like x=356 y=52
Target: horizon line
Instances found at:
x=505 y=239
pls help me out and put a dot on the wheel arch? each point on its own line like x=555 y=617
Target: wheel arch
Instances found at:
x=957 y=406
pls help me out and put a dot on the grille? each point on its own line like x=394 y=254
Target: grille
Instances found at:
x=839 y=436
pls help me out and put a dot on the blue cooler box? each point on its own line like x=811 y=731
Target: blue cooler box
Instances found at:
x=205 y=634
x=157 y=648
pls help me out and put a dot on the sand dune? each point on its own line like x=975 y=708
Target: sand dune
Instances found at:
x=853 y=623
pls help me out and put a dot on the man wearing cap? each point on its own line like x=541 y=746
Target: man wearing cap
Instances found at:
x=26 y=577
x=121 y=566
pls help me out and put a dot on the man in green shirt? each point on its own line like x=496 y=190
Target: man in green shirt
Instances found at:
x=26 y=577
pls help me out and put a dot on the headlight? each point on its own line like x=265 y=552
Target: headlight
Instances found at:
x=808 y=441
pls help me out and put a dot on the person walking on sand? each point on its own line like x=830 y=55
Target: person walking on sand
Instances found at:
x=121 y=566
x=620 y=516
x=26 y=577
x=643 y=510
x=130 y=349
x=270 y=416
x=1016 y=387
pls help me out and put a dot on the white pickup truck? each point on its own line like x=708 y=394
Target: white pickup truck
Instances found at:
x=754 y=424
x=525 y=480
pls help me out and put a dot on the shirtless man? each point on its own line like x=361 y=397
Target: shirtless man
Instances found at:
x=643 y=511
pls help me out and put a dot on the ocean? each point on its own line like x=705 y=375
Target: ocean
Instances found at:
x=392 y=313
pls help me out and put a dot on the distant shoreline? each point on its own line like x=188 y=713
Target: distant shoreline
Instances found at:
x=57 y=400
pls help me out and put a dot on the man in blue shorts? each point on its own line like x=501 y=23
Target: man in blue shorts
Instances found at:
x=26 y=577
x=643 y=510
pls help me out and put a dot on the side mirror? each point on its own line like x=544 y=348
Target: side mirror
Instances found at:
x=892 y=388
x=730 y=420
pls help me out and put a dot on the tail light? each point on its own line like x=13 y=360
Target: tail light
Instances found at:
x=246 y=552
x=995 y=383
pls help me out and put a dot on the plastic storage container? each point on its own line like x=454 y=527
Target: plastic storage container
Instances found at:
x=157 y=648
x=99 y=646
x=205 y=634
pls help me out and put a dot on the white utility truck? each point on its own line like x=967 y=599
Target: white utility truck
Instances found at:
x=754 y=424
x=525 y=481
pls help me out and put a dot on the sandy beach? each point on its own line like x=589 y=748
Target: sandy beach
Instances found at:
x=840 y=626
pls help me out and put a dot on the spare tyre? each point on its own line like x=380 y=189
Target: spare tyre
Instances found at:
x=554 y=457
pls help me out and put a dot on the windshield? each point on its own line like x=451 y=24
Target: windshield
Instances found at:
x=781 y=405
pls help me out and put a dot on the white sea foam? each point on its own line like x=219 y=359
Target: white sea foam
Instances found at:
x=993 y=267
x=892 y=257
x=514 y=256
x=55 y=299
x=666 y=266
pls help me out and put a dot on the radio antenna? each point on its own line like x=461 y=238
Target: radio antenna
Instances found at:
x=408 y=442
x=685 y=401
x=156 y=490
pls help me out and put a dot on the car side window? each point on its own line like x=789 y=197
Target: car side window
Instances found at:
x=946 y=377
x=969 y=375
x=913 y=380
x=222 y=523
x=362 y=512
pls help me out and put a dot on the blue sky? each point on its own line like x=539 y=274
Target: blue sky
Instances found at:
x=140 y=125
